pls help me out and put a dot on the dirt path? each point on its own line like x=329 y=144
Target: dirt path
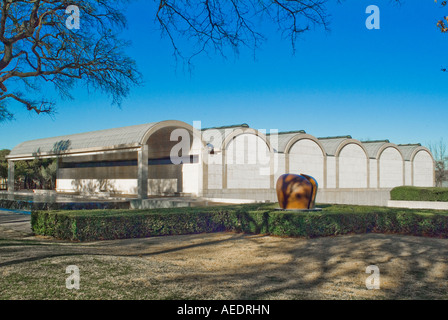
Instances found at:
x=223 y=266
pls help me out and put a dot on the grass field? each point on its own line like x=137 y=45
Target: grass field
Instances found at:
x=225 y=265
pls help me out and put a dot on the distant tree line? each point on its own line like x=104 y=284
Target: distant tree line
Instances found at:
x=34 y=174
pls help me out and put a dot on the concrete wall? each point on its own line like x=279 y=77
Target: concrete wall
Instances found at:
x=373 y=172
x=390 y=168
x=256 y=195
x=279 y=167
x=306 y=157
x=191 y=178
x=331 y=172
x=352 y=167
x=215 y=168
x=368 y=197
x=423 y=170
x=432 y=205
x=408 y=173
x=247 y=163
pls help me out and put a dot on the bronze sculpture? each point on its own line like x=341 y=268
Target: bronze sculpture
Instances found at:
x=296 y=191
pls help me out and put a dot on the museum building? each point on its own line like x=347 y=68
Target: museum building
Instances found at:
x=233 y=163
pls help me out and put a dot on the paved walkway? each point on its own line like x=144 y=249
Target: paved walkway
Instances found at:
x=15 y=225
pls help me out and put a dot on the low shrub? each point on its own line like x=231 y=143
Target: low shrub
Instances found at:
x=91 y=225
x=409 y=193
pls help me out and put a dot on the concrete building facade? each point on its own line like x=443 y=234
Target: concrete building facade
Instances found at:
x=234 y=162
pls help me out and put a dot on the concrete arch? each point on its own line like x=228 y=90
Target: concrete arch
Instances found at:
x=418 y=149
x=163 y=178
x=389 y=145
x=383 y=182
x=171 y=123
x=234 y=135
x=297 y=139
x=345 y=143
x=240 y=131
x=350 y=141
x=302 y=136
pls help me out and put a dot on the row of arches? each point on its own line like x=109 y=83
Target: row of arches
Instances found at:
x=240 y=157
x=251 y=159
x=138 y=159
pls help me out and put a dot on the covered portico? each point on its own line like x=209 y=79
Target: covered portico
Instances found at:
x=134 y=160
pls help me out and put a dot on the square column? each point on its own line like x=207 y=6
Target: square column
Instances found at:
x=142 y=175
x=10 y=176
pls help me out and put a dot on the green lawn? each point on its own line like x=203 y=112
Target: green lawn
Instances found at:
x=231 y=252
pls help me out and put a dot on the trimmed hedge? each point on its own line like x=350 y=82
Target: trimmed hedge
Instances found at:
x=254 y=219
x=408 y=193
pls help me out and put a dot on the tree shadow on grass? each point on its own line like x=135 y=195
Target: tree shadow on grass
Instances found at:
x=17 y=249
x=335 y=268
x=277 y=268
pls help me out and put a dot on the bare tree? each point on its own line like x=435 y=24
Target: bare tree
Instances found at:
x=441 y=23
x=217 y=25
x=439 y=152
x=37 y=46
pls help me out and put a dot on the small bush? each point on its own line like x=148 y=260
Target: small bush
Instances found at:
x=408 y=193
x=91 y=225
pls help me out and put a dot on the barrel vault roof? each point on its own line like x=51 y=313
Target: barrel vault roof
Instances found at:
x=94 y=140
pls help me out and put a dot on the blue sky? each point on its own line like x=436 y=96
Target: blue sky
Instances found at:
x=371 y=84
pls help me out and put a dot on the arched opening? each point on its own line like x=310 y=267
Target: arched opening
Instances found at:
x=173 y=161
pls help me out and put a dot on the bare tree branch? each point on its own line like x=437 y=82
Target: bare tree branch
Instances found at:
x=217 y=25
x=35 y=43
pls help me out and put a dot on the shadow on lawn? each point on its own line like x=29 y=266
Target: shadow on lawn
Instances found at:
x=335 y=268
x=278 y=268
